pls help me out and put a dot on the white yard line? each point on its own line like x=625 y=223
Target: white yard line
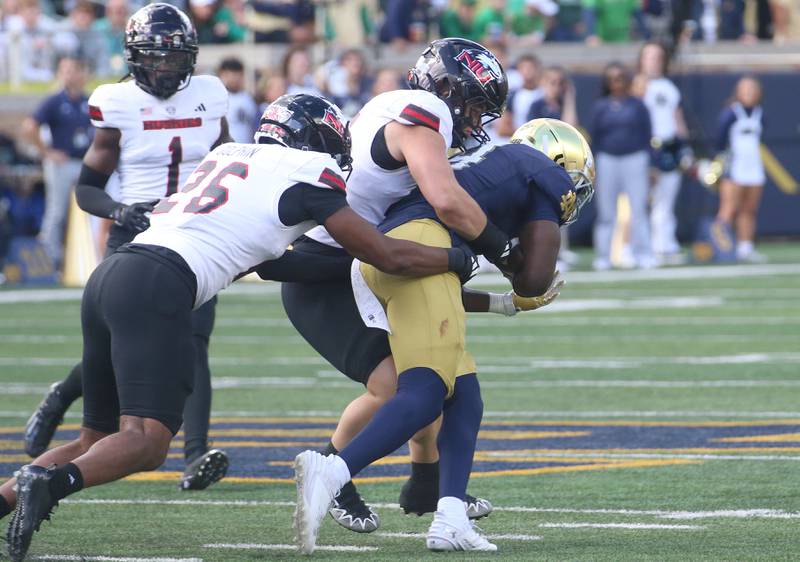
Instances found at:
x=642 y=526
x=83 y=557
x=490 y=537
x=755 y=513
x=252 y=546
x=571 y=454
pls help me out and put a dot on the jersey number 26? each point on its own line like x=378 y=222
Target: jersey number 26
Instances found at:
x=202 y=195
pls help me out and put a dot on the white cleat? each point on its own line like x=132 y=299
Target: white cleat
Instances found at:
x=315 y=492
x=444 y=536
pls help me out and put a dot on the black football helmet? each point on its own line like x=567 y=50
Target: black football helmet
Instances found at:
x=307 y=122
x=160 y=49
x=468 y=78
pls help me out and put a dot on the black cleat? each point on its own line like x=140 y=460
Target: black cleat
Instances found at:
x=350 y=511
x=205 y=470
x=34 y=505
x=44 y=421
x=420 y=497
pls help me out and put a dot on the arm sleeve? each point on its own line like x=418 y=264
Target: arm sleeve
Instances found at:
x=305 y=267
x=90 y=193
x=726 y=120
x=303 y=202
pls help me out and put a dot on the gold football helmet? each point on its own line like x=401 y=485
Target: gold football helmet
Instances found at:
x=565 y=146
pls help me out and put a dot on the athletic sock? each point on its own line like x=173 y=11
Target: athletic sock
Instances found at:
x=67 y=480
x=453 y=510
x=425 y=471
x=417 y=403
x=197 y=409
x=5 y=509
x=457 y=437
x=71 y=388
x=329 y=449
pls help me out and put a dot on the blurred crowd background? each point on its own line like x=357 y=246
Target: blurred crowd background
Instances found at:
x=654 y=155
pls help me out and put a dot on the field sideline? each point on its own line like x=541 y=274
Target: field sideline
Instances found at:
x=644 y=416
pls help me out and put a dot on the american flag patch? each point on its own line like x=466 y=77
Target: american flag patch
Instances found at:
x=145 y=111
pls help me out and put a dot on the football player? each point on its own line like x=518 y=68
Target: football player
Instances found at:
x=244 y=204
x=153 y=130
x=400 y=141
x=529 y=188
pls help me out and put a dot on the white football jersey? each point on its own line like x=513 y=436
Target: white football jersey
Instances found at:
x=225 y=218
x=662 y=99
x=162 y=141
x=371 y=190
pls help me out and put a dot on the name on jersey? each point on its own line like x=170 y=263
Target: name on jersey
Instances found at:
x=159 y=124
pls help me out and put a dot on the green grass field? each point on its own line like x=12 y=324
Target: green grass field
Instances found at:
x=637 y=419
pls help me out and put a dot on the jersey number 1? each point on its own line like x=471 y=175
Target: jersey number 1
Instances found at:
x=173 y=170
x=212 y=196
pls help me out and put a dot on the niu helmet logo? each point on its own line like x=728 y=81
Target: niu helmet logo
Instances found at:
x=333 y=121
x=481 y=64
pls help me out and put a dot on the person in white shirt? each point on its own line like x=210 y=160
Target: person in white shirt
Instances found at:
x=242 y=108
x=669 y=145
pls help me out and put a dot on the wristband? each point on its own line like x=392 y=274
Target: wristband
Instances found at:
x=502 y=304
x=491 y=243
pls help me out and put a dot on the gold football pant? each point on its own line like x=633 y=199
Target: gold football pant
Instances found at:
x=426 y=314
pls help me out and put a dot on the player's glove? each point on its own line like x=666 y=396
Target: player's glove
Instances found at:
x=134 y=217
x=463 y=263
x=510 y=303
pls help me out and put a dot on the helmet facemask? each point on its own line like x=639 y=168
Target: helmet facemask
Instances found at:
x=161 y=72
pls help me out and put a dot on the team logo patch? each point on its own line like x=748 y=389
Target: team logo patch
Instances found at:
x=567 y=205
x=332 y=179
x=277 y=113
x=333 y=121
x=418 y=116
x=95 y=113
x=481 y=64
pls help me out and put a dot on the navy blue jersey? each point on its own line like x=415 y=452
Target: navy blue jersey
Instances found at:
x=513 y=184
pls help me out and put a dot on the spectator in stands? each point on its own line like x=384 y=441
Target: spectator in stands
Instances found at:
x=460 y=21
x=669 y=146
x=568 y=24
x=786 y=20
x=281 y=21
x=296 y=68
x=399 y=22
x=76 y=39
x=558 y=97
x=348 y=83
x=520 y=99
x=242 y=109
x=731 y=20
x=528 y=19
x=739 y=133
x=489 y=23
x=270 y=88
x=112 y=29
x=620 y=131
x=66 y=115
x=219 y=21
x=609 y=21
x=34 y=51
x=386 y=80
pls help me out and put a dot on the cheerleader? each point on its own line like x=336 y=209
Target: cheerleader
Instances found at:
x=739 y=135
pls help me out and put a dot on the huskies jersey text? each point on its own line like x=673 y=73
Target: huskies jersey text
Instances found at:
x=372 y=189
x=225 y=218
x=161 y=141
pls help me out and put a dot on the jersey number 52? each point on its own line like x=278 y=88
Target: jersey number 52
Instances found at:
x=203 y=191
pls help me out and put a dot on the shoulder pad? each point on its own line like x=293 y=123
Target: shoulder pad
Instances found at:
x=110 y=106
x=418 y=107
x=212 y=93
x=320 y=170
